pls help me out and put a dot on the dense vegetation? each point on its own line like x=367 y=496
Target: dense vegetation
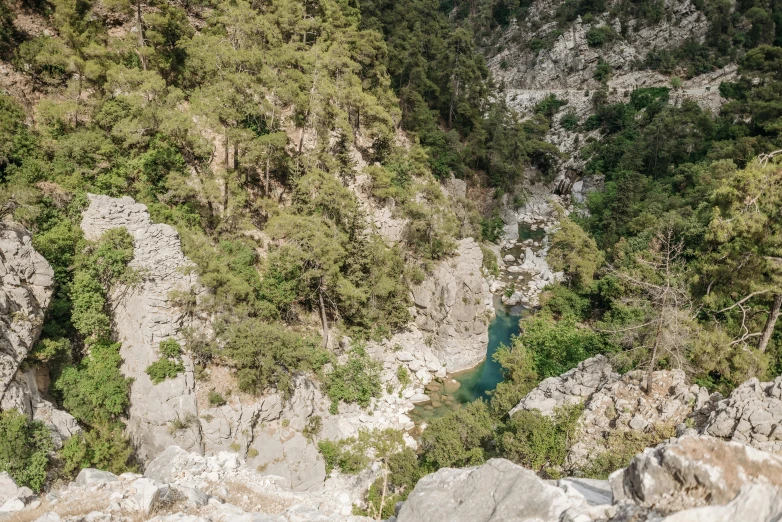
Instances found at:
x=244 y=125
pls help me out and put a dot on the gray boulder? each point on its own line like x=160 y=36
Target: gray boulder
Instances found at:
x=497 y=491
x=94 y=477
x=694 y=471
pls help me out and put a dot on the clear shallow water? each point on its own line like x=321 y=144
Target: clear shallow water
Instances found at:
x=477 y=382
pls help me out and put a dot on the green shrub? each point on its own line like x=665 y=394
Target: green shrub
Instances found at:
x=24 y=449
x=313 y=427
x=215 y=398
x=492 y=228
x=268 y=355
x=622 y=446
x=538 y=442
x=459 y=438
x=163 y=369
x=105 y=447
x=597 y=36
x=95 y=391
x=170 y=363
x=490 y=261
x=403 y=376
x=602 y=71
x=549 y=105
x=356 y=381
x=569 y=121
x=353 y=454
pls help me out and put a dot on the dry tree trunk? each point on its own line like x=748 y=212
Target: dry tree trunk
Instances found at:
x=770 y=323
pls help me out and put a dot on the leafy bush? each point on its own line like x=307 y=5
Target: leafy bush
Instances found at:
x=269 y=355
x=538 y=442
x=170 y=363
x=358 y=380
x=95 y=391
x=602 y=71
x=622 y=446
x=24 y=449
x=163 y=369
x=490 y=261
x=597 y=36
x=569 y=121
x=557 y=346
x=105 y=447
x=459 y=438
x=313 y=428
x=215 y=398
x=549 y=105
x=492 y=228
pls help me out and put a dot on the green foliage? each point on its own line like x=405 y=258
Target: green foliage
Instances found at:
x=549 y=105
x=269 y=355
x=489 y=261
x=216 y=398
x=313 y=428
x=170 y=363
x=574 y=253
x=355 y=381
x=459 y=438
x=403 y=376
x=105 y=448
x=94 y=391
x=492 y=228
x=569 y=121
x=24 y=449
x=602 y=71
x=599 y=35
x=622 y=446
x=353 y=454
x=538 y=442
x=557 y=346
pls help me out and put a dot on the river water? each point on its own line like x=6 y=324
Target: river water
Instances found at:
x=477 y=382
x=464 y=387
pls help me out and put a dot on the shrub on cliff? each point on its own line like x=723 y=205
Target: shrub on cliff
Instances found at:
x=24 y=449
x=269 y=355
x=357 y=380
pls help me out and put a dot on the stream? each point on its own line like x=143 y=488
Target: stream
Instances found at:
x=464 y=387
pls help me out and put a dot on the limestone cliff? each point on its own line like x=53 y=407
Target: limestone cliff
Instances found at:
x=570 y=61
x=144 y=315
x=28 y=284
x=453 y=308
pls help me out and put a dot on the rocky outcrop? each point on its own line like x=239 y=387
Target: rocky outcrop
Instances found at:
x=752 y=415
x=624 y=405
x=570 y=62
x=144 y=315
x=694 y=471
x=28 y=283
x=496 y=491
x=614 y=404
x=690 y=479
x=453 y=308
x=186 y=487
x=572 y=387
